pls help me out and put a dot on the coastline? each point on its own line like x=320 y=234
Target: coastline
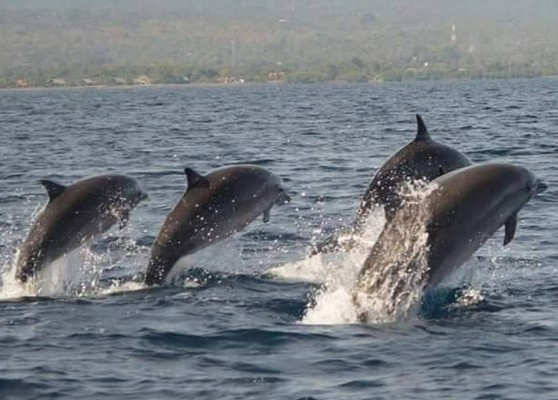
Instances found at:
x=267 y=83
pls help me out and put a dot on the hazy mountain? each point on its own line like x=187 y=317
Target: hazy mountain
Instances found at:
x=81 y=37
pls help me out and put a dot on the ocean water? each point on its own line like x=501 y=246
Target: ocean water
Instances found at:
x=255 y=316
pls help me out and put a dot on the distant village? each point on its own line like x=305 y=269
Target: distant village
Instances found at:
x=141 y=80
x=449 y=60
x=272 y=42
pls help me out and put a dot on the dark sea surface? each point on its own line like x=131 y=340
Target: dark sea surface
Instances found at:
x=225 y=328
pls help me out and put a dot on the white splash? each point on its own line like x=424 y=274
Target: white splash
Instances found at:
x=469 y=298
x=332 y=306
x=52 y=280
x=392 y=280
x=76 y=274
x=121 y=287
x=393 y=286
x=11 y=288
x=337 y=272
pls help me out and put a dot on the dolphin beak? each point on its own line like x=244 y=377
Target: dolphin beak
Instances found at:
x=540 y=187
x=144 y=196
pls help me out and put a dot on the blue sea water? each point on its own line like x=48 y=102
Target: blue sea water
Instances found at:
x=227 y=328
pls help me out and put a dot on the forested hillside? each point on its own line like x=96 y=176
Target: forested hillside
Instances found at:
x=77 y=42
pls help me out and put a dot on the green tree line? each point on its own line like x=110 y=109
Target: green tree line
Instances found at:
x=79 y=42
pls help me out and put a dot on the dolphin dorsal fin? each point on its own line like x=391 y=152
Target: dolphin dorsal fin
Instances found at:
x=53 y=189
x=422 y=132
x=195 y=179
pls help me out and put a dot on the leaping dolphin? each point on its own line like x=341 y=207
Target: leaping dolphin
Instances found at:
x=75 y=214
x=213 y=207
x=423 y=159
x=460 y=211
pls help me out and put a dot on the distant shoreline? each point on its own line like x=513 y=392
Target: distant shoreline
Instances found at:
x=268 y=83
x=128 y=87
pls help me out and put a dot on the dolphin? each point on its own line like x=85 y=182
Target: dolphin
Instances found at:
x=75 y=214
x=213 y=207
x=423 y=159
x=430 y=237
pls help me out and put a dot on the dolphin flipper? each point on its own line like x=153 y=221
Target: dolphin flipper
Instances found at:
x=266 y=215
x=510 y=227
x=53 y=189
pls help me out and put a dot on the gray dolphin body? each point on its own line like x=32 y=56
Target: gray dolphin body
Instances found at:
x=422 y=159
x=213 y=207
x=75 y=214
x=460 y=211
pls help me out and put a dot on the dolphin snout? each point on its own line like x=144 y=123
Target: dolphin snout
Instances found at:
x=144 y=196
x=540 y=186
